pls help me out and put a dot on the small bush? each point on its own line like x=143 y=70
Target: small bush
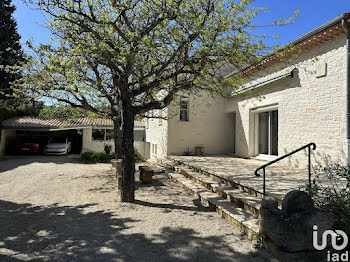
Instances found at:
x=86 y=156
x=330 y=192
x=107 y=149
x=100 y=157
x=138 y=157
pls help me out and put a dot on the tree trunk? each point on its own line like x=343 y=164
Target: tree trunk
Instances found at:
x=128 y=179
x=118 y=134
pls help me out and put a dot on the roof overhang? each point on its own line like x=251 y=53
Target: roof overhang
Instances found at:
x=43 y=128
x=319 y=35
x=264 y=81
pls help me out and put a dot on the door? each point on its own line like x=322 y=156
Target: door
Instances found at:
x=268 y=133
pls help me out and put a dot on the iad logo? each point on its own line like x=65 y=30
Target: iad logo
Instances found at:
x=336 y=237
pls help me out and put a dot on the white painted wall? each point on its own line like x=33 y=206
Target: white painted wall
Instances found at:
x=208 y=126
x=157 y=133
x=310 y=108
x=90 y=145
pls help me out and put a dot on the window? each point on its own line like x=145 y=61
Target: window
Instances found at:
x=154 y=149
x=98 y=134
x=102 y=134
x=184 y=110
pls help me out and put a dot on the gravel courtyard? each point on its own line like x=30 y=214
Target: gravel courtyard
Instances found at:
x=59 y=209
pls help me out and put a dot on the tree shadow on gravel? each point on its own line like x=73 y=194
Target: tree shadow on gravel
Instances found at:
x=72 y=233
x=197 y=208
x=12 y=162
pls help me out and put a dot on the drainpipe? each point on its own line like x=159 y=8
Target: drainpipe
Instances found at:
x=347 y=81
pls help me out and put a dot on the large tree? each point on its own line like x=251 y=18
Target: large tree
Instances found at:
x=11 y=60
x=11 y=53
x=136 y=55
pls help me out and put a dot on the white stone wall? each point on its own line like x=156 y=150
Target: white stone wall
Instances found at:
x=157 y=133
x=89 y=145
x=310 y=108
x=208 y=126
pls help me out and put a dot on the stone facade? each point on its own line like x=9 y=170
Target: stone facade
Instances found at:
x=311 y=108
x=208 y=126
x=157 y=133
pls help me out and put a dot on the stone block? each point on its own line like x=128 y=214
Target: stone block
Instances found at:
x=288 y=233
x=146 y=173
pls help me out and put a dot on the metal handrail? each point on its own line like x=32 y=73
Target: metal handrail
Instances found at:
x=308 y=146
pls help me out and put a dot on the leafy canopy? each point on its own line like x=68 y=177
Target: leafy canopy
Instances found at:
x=147 y=51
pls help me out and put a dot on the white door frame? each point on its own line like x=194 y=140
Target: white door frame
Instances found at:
x=256 y=129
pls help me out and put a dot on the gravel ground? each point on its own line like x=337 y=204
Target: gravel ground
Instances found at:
x=58 y=209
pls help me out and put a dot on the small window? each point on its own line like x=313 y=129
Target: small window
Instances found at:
x=109 y=134
x=154 y=149
x=98 y=134
x=184 y=110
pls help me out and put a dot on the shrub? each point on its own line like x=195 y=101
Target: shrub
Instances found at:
x=138 y=157
x=86 y=156
x=100 y=157
x=107 y=149
x=330 y=192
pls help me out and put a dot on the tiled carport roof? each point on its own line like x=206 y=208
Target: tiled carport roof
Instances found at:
x=58 y=123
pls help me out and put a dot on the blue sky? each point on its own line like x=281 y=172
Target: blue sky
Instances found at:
x=313 y=13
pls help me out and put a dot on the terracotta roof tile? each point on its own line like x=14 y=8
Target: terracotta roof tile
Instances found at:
x=57 y=123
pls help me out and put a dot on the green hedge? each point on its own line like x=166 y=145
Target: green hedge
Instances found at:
x=102 y=157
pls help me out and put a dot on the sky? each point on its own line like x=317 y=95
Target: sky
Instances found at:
x=313 y=13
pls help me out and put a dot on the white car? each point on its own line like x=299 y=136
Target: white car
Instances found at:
x=58 y=146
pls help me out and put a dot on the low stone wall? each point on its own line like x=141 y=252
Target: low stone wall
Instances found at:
x=288 y=232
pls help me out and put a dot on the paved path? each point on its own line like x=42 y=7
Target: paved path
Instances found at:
x=57 y=209
x=279 y=179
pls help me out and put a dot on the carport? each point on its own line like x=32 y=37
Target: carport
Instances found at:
x=39 y=130
x=85 y=134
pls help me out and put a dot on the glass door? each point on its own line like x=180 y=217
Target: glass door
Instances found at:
x=268 y=133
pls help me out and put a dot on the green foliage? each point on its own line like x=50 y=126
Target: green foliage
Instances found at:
x=11 y=53
x=64 y=111
x=104 y=157
x=12 y=104
x=86 y=156
x=157 y=46
x=107 y=149
x=100 y=157
x=330 y=192
x=259 y=242
x=138 y=157
x=10 y=108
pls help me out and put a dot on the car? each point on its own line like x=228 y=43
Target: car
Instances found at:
x=58 y=146
x=28 y=145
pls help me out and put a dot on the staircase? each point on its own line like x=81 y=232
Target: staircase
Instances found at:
x=238 y=204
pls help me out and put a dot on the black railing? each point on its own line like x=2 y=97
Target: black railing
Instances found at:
x=308 y=146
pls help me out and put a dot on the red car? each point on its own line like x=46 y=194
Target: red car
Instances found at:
x=28 y=146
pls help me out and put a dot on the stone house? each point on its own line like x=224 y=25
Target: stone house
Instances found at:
x=282 y=106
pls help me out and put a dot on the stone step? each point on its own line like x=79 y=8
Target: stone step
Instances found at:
x=250 y=190
x=242 y=199
x=250 y=203
x=236 y=216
